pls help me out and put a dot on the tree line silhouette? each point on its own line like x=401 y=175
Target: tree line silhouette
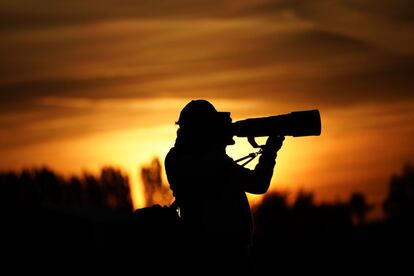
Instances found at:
x=43 y=188
x=93 y=215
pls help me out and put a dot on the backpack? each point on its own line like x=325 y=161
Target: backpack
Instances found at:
x=157 y=217
x=157 y=236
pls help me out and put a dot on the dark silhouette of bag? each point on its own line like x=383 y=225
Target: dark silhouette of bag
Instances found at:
x=157 y=217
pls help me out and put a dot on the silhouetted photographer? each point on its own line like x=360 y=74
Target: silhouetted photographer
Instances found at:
x=210 y=188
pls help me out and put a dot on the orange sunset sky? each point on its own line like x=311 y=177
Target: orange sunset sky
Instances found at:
x=87 y=83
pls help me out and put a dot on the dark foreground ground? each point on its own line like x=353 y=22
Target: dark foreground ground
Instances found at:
x=101 y=239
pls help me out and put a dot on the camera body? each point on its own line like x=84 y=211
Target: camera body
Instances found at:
x=296 y=124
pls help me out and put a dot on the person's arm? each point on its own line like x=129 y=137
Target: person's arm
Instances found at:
x=257 y=181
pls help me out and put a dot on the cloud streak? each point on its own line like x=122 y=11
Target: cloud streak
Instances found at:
x=315 y=53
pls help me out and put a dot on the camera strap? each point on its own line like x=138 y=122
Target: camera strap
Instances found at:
x=250 y=157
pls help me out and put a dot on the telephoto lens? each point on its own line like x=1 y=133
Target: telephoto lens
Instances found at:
x=296 y=124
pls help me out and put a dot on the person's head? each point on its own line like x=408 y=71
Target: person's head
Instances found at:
x=200 y=124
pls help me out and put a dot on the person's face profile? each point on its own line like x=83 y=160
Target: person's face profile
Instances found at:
x=224 y=125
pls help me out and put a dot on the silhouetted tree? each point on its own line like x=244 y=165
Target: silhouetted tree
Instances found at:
x=50 y=186
x=75 y=192
x=399 y=204
x=304 y=200
x=29 y=193
x=116 y=189
x=156 y=191
x=359 y=207
x=43 y=188
x=94 y=192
